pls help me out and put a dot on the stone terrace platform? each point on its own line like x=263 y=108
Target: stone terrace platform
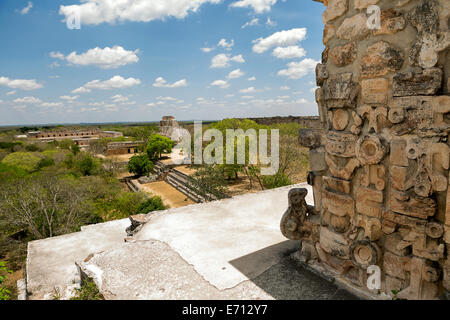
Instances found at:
x=229 y=249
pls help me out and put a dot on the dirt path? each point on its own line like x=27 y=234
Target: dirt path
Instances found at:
x=169 y=195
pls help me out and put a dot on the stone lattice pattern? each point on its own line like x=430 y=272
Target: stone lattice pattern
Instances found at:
x=380 y=166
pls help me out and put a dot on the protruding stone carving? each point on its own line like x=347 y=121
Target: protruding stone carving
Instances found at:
x=370 y=150
x=373 y=115
x=344 y=172
x=341 y=144
x=321 y=74
x=296 y=222
x=340 y=91
x=374 y=174
x=328 y=33
x=426 y=82
x=381 y=59
x=365 y=253
x=340 y=119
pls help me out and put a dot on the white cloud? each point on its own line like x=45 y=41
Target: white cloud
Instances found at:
x=249 y=90
x=229 y=95
x=297 y=70
x=106 y=58
x=285 y=88
x=10 y=93
x=207 y=50
x=118 y=98
x=220 y=83
x=253 y=22
x=27 y=8
x=167 y=99
x=81 y=90
x=112 y=11
x=69 y=98
x=279 y=39
x=259 y=6
x=116 y=82
x=224 y=44
x=291 y=52
x=57 y=55
x=247 y=97
x=162 y=83
x=235 y=74
x=27 y=100
x=223 y=60
x=252 y=79
x=270 y=23
x=51 y=104
x=20 y=84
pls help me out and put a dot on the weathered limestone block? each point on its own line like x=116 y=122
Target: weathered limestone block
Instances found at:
x=375 y=90
x=373 y=175
x=340 y=144
x=334 y=243
x=337 y=184
x=335 y=9
x=343 y=172
x=338 y=204
x=382 y=59
x=341 y=119
x=394 y=284
x=446 y=276
x=343 y=55
x=398 y=153
x=391 y=22
x=392 y=242
x=317 y=159
x=137 y=222
x=339 y=91
x=363 y=4
x=369 y=202
x=426 y=82
x=339 y=224
x=354 y=28
x=310 y=138
x=394 y=265
x=328 y=33
x=401 y=3
x=400 y=179
x=321 y=74
x=403 y=220
x=411 y=205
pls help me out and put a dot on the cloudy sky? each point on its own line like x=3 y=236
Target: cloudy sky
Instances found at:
x=137 y=60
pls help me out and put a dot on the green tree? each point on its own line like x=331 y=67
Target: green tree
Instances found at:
x=87 y=165
x=209 y=182
x=150 y=205
x=27 y=161
x=157 y=145
x=75 y=149
x=140 y=165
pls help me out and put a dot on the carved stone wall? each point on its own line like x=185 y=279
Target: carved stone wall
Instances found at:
x=380 y=166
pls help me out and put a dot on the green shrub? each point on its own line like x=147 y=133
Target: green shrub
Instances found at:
x=128 y=204
x=276 y=181
x=5 y=294
x=24 y=160
x=32 y=148
x=88 y=291
x=150 y=205
x=46 y=162
x=140 y=165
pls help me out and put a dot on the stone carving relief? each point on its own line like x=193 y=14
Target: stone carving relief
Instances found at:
x=381 y=163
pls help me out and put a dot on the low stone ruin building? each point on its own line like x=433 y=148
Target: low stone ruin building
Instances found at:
x=380 y=166
x=125 y=147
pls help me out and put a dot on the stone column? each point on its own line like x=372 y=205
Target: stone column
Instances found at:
x=380 y=165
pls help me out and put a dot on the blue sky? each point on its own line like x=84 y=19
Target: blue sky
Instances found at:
x=137 y=60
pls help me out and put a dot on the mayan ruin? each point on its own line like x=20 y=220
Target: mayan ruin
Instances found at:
x=380 y=168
